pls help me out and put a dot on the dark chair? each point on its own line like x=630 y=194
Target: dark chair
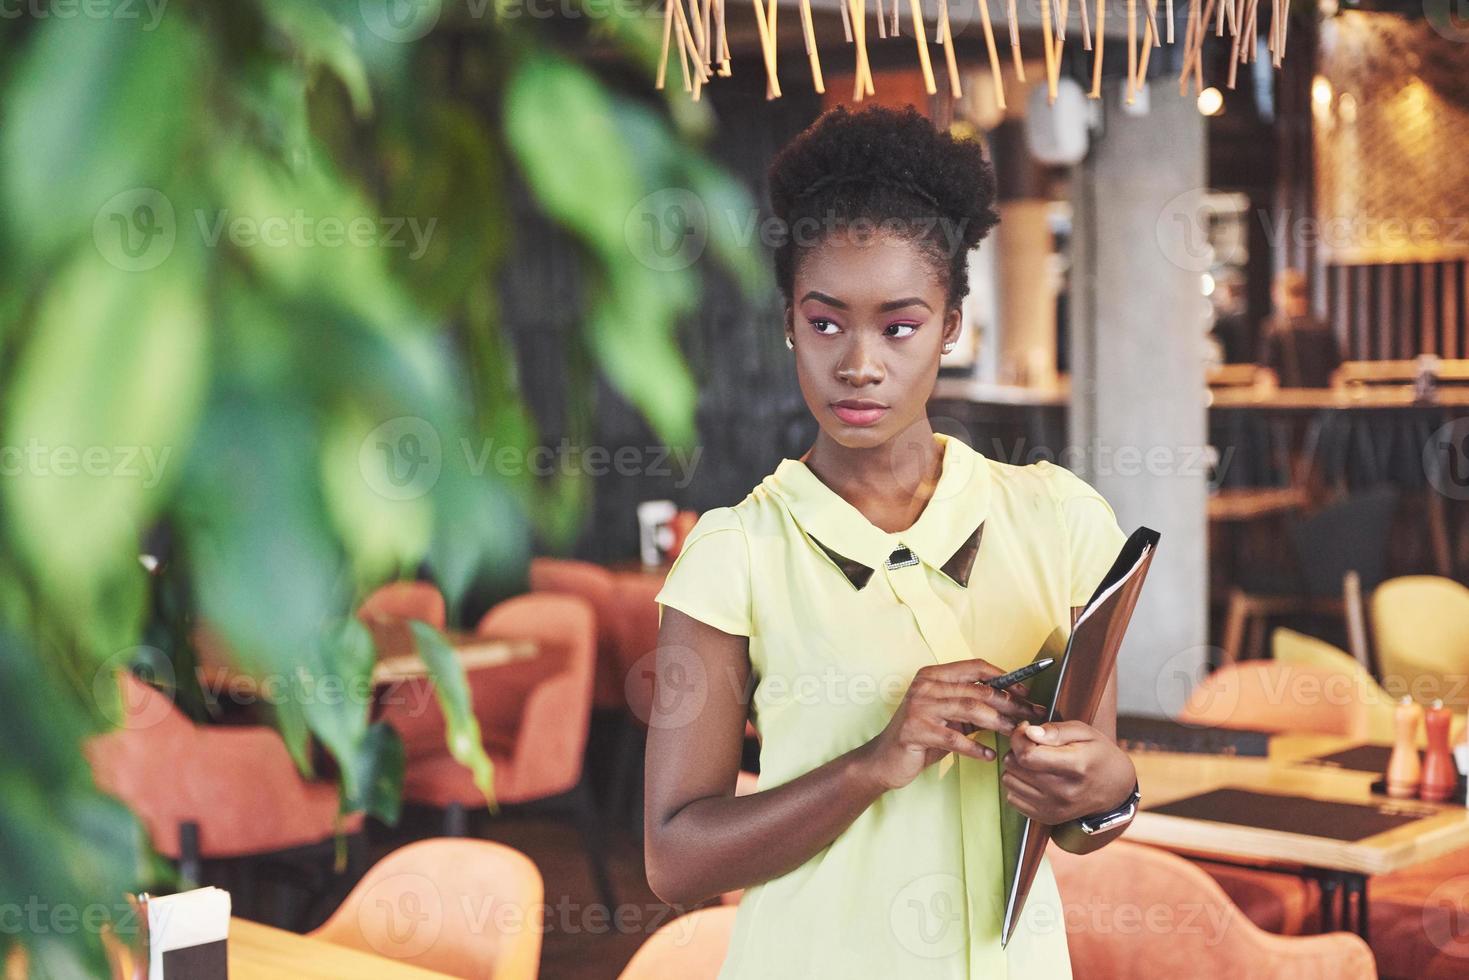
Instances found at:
x=1350 y=535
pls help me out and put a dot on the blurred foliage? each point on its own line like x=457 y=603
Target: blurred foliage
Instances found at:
x=252 y=251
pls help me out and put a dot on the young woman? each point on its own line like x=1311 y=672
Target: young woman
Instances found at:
x=849 y=604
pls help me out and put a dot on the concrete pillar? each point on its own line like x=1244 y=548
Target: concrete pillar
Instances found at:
x=1137 y=421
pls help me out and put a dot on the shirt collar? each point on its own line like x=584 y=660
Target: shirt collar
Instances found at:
x=948 y=528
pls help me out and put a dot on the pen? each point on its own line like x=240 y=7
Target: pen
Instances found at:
x=1016 y=676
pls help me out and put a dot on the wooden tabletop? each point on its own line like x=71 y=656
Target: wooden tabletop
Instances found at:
x=1349 y=397
x=474 y=653
x=1253 y=503
x=259 y=952
x=1166 y=776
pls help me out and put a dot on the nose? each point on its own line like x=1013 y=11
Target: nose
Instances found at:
x=859 y=365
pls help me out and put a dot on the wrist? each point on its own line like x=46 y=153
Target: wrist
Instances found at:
x=862 y=770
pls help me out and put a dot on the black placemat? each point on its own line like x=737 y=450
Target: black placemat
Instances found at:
x=1137 y=733
x=1358 y=758
x=1294 y=814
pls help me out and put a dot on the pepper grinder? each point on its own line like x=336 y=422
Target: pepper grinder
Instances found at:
x=1440 y=775
x=1403 y=767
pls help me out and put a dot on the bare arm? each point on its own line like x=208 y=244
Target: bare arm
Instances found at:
x=701 y=840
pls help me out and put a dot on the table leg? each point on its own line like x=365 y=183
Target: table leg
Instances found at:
x=1356 y=887
x=1330 y=917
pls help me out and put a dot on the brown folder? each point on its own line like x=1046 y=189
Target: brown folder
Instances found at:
x=1072 y=690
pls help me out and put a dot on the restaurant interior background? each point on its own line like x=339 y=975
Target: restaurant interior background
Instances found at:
x=306 y=299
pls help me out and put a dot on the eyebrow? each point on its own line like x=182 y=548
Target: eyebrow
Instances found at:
x=896 y=304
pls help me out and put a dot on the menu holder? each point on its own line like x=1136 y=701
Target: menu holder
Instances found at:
x=1072 y=690
x=187 y=935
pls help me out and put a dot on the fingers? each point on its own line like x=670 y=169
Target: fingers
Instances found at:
x=949 y=740
x=960 y=671
x=1024 y=797
x=928 y=692
x=1060 y=733
x=1053 y=760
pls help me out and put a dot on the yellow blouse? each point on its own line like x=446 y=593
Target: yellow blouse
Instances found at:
x=840 y=615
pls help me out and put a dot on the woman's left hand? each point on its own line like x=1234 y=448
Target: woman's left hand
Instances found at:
x=1063 y=770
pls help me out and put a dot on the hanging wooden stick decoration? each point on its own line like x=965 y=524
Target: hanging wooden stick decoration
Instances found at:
x=767 y=48
x=1086 y=27
x=723 y=40
x=989 y=43
x=1150 y=40
x=882 y=20
x=846 y=20
x=1170 y=21
x=1015 y=40
x=1131 y=49
x=810 y=33
x=894 y=25
x=772 y=91
x=921 y=36
x=1048 y=42
x=667 y=39
x=707 y=37
x=863 y=82
x=1101 y=31
x=950 y=60
x=1058 y=10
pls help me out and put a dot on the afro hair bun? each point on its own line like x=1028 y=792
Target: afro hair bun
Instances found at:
x=882 y=164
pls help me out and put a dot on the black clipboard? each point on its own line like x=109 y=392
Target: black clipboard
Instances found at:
x=1073 y=690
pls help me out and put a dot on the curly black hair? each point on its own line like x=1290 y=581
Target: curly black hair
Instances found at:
x=882 y=170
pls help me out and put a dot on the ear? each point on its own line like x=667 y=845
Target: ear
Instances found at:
x=790 y=323
x=953 y=323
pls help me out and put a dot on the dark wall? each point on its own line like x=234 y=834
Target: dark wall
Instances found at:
x=750 y=413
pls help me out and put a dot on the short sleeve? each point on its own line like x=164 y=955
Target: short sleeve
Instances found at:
x=710 y=578
x=1093 y=535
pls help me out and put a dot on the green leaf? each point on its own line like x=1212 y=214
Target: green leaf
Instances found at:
x=98 y=107
x=462 y=733
x=323 y=40
x=559 y=122
x=103 y=401
x=66 y=846
x=446 y=194
x=380 y=764
x=267 y=572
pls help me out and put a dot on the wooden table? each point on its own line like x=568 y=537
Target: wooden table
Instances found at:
x=1254 y=503
x=398 y=661
x=1346 y=865
x=261 y=952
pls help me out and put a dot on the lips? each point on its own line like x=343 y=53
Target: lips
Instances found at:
x=859 y=411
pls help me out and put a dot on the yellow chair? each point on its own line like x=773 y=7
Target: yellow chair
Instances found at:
x=1421 y=627
x=690 y=947
x=1300 y=650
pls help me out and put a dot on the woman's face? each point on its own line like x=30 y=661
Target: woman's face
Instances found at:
x=868 y=321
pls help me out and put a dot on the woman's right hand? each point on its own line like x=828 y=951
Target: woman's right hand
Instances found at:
x=943 y=705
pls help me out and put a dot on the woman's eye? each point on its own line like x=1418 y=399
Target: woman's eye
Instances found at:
x=901 y=329
x=824 y=326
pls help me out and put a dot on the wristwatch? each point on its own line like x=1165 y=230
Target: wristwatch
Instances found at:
x=1118 y=816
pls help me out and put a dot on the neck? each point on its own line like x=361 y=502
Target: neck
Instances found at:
x=889 y=483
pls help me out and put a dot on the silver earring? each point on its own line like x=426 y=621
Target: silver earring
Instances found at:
x=790 y=344
x=949 y=348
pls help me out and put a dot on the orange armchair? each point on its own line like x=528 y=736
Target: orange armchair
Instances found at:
x=209 y=792
x=567 y=576
x=691 y=947
x=533 y=716
x=1267 y=695
x=466 y=908
x=1136 y=911
x=398 y=601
